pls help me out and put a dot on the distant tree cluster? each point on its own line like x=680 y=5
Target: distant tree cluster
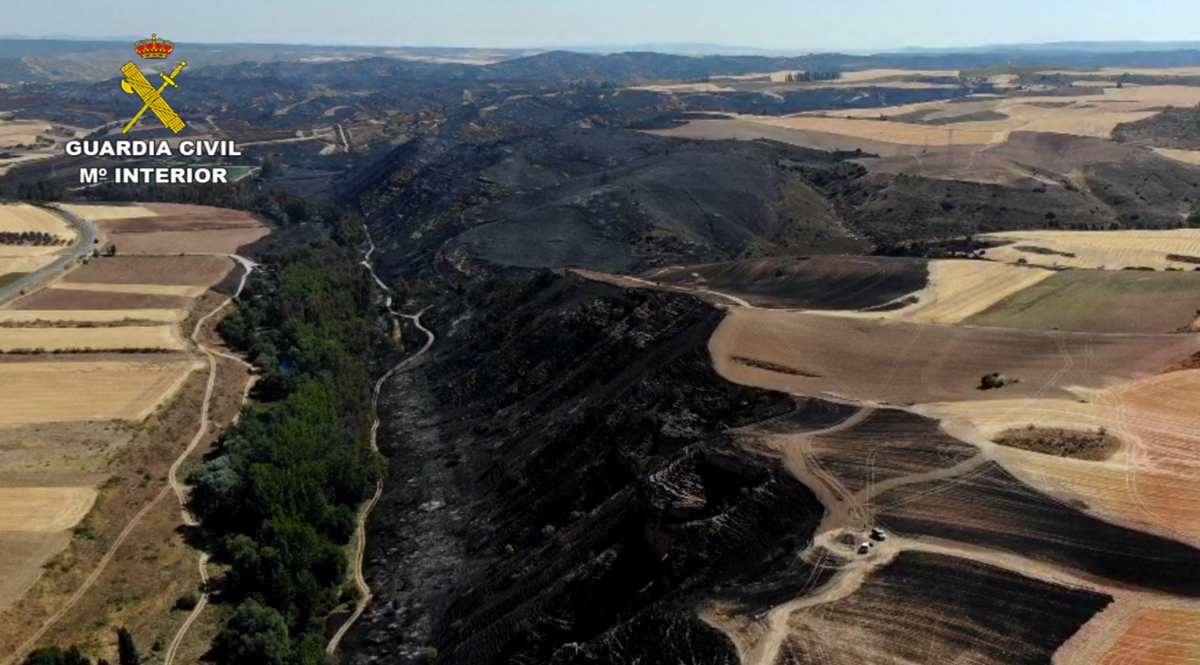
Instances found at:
x=804 y=77
x=32 y=238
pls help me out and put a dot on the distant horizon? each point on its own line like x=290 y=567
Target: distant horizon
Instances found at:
x=682 y=47
x=869 y=26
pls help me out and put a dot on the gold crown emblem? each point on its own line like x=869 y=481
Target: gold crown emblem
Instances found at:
x=154 y=48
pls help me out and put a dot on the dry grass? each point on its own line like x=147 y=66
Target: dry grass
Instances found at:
x=69 y=391
x=1111 y=250
x=11 y=264
x=68 y=316
x=20 y=132
x=116 y=338
x=1185 y=156
x=42 y=509
x=22 y=555
x=100 y=213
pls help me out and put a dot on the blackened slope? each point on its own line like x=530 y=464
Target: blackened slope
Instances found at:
x=683 y=202
x=991 y=508
x=928 y=608
x=814 y=282
x=598 y=198
x=1151 y=192
x=593 y=494
x=1173 y=128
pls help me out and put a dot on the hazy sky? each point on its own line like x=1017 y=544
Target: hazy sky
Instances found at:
x=781 y=24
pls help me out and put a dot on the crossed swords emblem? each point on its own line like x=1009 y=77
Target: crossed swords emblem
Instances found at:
x=136 y=83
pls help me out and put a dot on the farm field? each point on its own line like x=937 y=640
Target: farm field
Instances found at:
x=900 y=362
x=75 y=390
x=928 y=608
x=76 y=298
x=17 y=217
x=23 y=264
x=140 y=338
x=15 y=133
x=68 y=317
x=1119 y=301
x=1093 y=114
x=195 y=271
x=85 y=359
x=170 y=228
x=1164 y=635
x=960 y=288
x=1013 y=140
x=1107 y=250
x=1134 y=71
x=21 y=217
x=1093 y=353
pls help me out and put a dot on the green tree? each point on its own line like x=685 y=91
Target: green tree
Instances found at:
x=56 y=656
x=126 y=651
x=254 y=635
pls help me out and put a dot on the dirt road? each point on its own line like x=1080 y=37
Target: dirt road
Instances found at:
x=178 y=487
x=172 y=486
x=360 y=532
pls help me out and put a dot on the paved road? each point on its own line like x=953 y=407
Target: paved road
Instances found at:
x=85 y=245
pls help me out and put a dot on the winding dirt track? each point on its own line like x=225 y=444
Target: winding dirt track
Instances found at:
x=360 y=532
x=1066 y=361
x=178 y=487
x=172 y=486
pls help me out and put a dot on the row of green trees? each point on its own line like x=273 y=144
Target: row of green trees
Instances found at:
x=804 y=77
x=279 y=497
x=127 y=654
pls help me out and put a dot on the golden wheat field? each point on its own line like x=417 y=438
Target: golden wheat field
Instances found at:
x=1157 y=637
x=42 y=509
x=1149 y=483
x=15 y=133
x=98 y=213
x=1094 y=115
x=1112 y=250
x=16 y=217
x=48 y=391
x=66 y=317
x=106 y=338
x=959 y=289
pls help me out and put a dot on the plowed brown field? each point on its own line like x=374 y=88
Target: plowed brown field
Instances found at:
x=911 y=363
